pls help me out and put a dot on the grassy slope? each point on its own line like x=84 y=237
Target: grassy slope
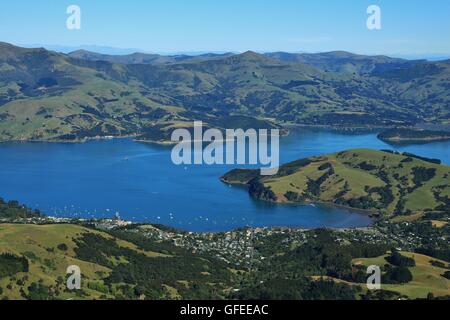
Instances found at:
x=426 y=277
x=84 y=97
x=47 y=263
x=121 y=98
x=348 y=174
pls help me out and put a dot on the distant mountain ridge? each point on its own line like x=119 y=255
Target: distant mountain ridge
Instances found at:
x=334 y=61
x=142 y=58
x=45 y=95
x=342 y=61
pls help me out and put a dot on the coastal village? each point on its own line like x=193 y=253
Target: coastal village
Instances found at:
x=244 y=247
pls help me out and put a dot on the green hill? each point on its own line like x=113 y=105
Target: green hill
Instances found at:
x=13 y=210
x=346 y=62
x=155 y=262
x=46 y=95
x=401 y=135
x=142 y=58
x=111 y=267
x=378 y=181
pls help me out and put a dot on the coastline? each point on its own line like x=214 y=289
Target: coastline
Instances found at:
x=51 y=220
x=159 y=143
x=412 y=140
x=338 y=128
x=80 y=140
x=284 y=132
x=371 y=213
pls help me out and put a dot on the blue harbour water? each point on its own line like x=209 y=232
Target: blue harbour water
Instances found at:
x=139 y=181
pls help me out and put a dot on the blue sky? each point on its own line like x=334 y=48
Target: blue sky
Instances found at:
x=409 y=27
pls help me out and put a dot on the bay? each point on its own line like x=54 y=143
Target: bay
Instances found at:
x=140 y=182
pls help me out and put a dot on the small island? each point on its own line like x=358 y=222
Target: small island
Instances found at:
x=402 y=135
x=382 y=183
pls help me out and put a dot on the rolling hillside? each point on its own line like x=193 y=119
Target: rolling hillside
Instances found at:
x=403 y=135
x=142 y=58
x=111 y=268
x=46 y=95
x=426 y=276
x=346 y=62
x=128 y=264
x=378 y=181
x=141 y=261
